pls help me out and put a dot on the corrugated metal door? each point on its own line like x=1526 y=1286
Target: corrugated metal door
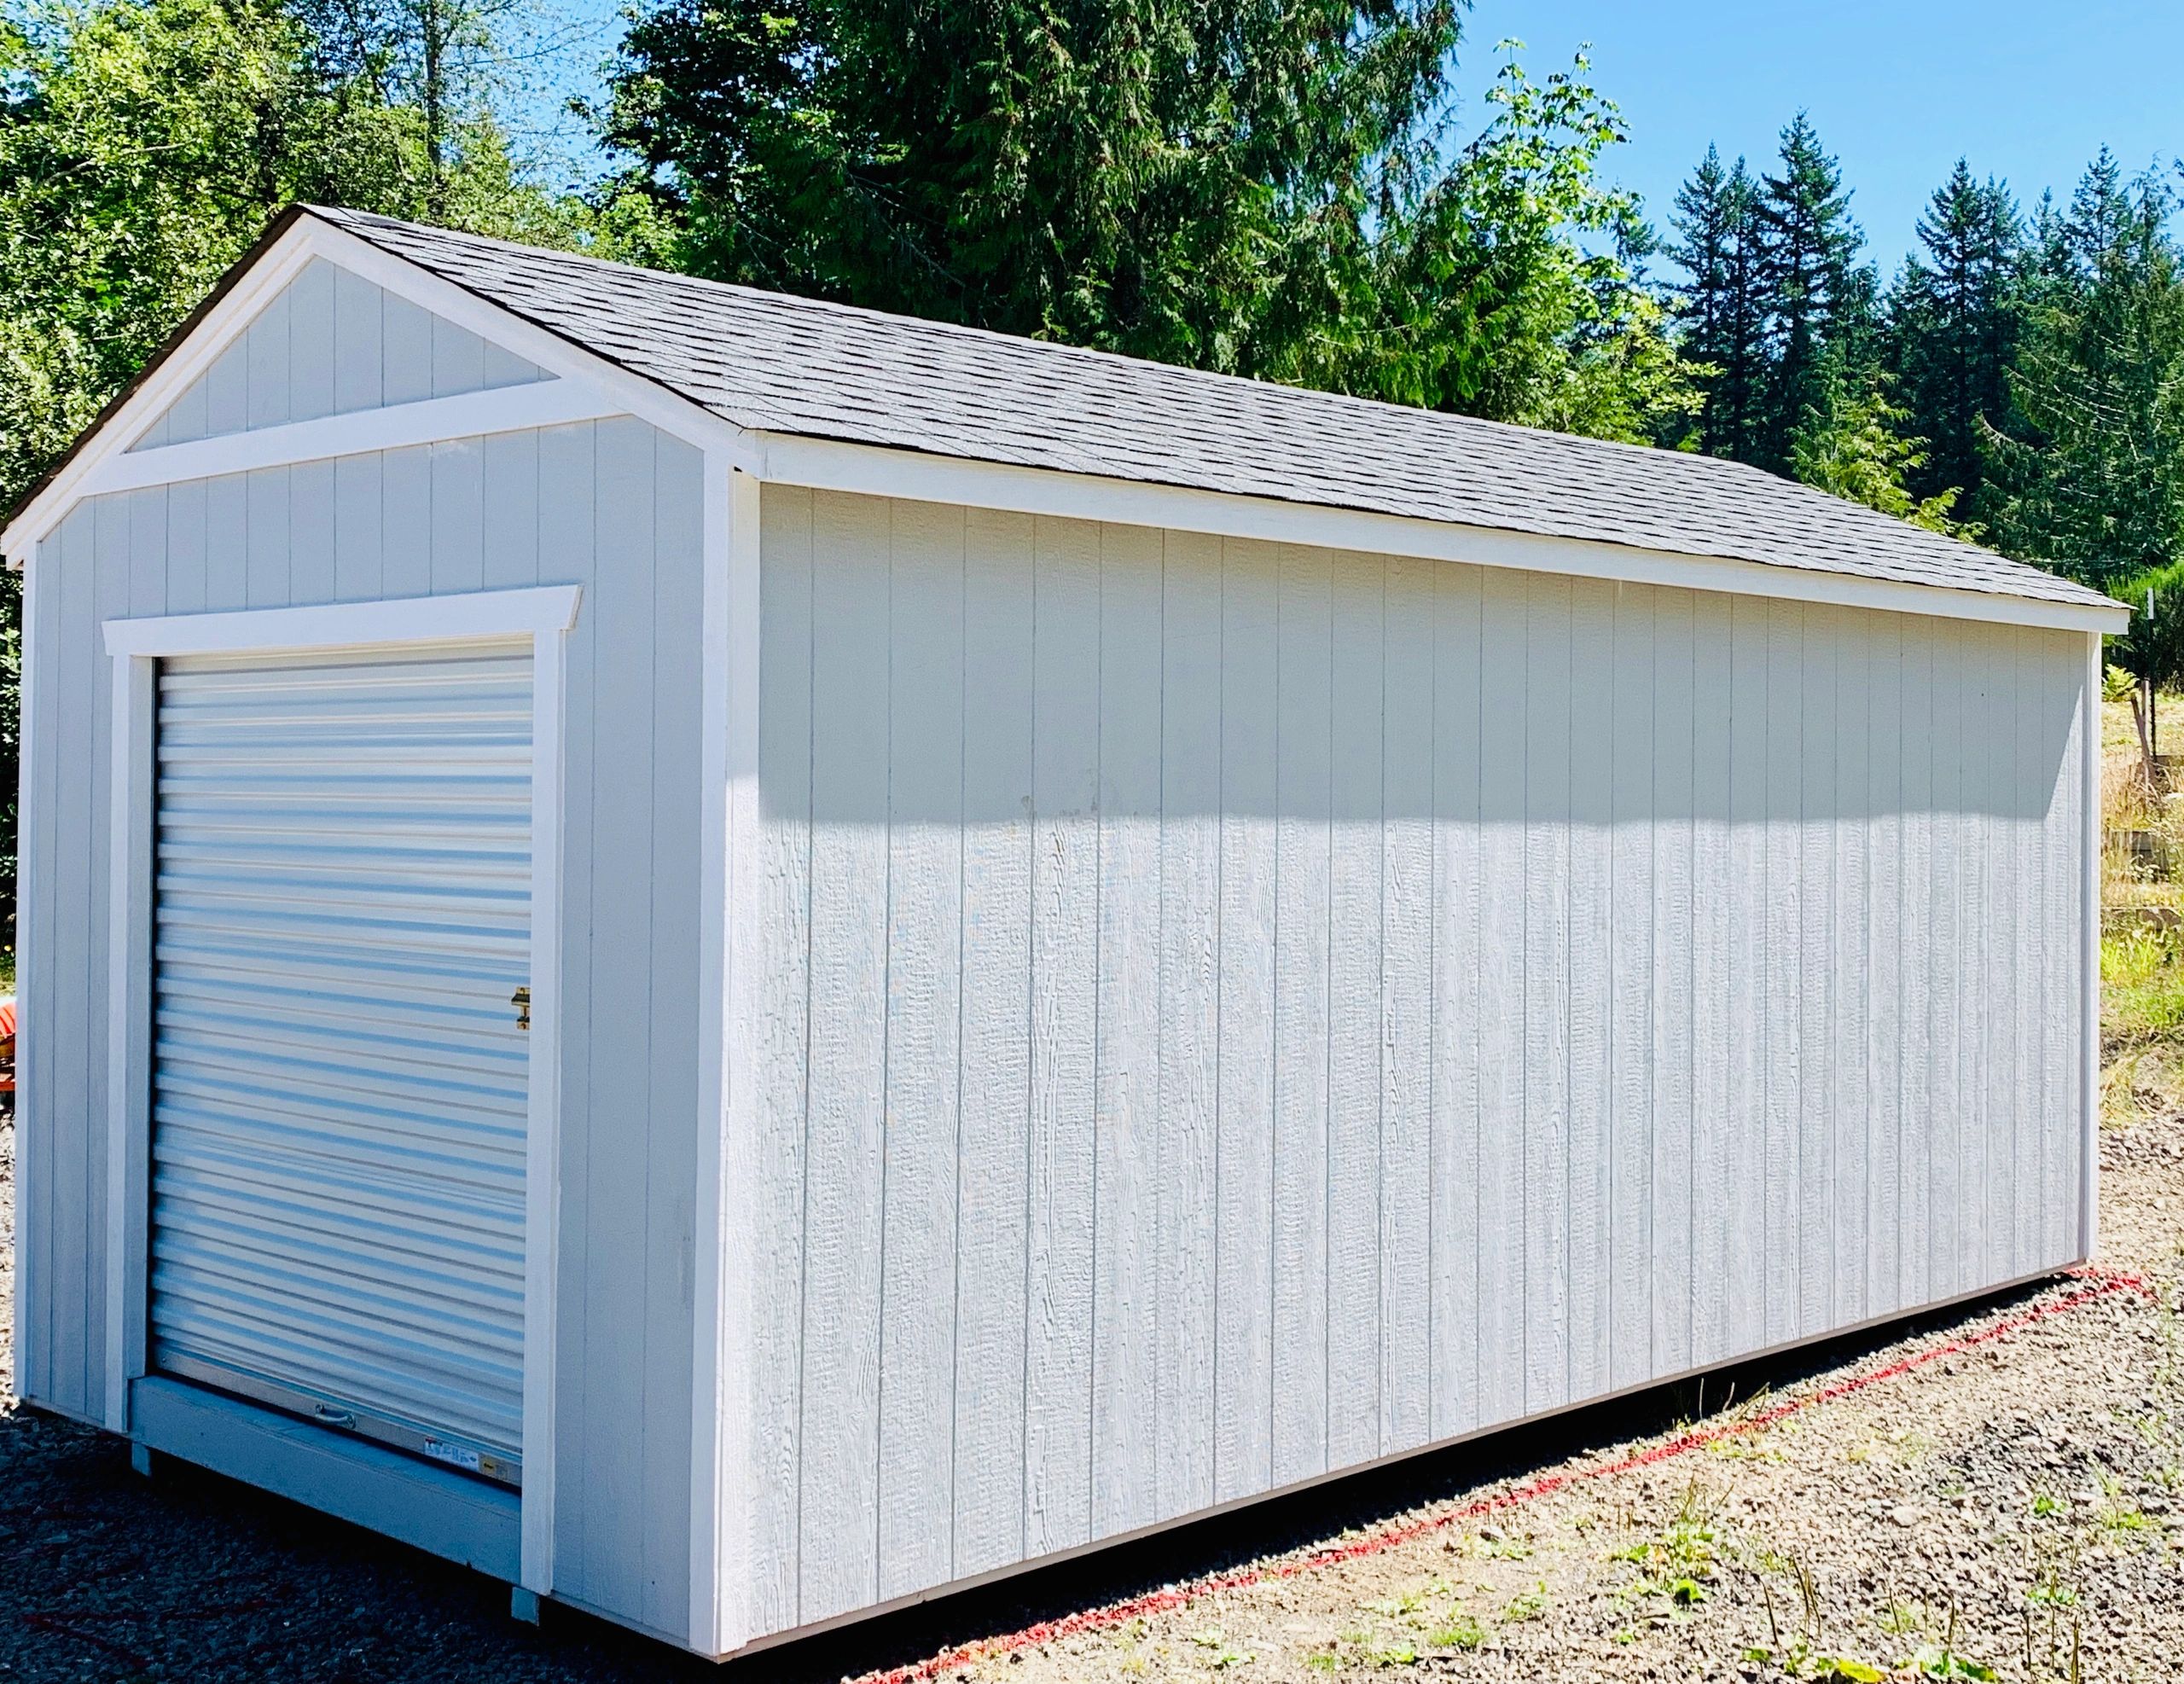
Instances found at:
x=343 y=917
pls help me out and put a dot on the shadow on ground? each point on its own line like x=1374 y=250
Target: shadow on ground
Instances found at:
x=191 y=1576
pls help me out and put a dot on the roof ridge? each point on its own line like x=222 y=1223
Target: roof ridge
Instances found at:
x=1284 y=389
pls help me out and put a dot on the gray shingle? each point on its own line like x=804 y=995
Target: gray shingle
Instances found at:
x=778 y=363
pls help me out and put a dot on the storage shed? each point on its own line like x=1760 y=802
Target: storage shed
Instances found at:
x=739 y=960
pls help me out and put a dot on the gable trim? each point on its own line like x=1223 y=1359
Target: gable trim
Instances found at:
x=287 y=248
x=506 y=409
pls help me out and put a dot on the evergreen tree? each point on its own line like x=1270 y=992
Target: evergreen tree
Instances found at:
x=1954 y=317
x=1851 y=441
x=1816 y=293
x=1269 y=191
x=1720 y=310
x=2091 y=469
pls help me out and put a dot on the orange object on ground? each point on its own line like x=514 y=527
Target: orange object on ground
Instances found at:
x=7 y=1044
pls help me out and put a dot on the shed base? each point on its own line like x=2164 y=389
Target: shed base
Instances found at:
x=433 y=1509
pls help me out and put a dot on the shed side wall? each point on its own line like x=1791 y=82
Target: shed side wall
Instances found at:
x=1235 y=1010
x=614 y=507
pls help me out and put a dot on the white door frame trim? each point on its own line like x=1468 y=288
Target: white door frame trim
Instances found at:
x=544 y=615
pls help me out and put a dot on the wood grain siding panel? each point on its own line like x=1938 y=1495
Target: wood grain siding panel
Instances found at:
x=847 y=1099
x=1190 y=1029
x=1249 y=921
x=784 y=955
x=924 y=1017
x=1057 y=1396
x=1126 y=1327
x=1356 y=910
x=1303 y=866
x=1627 y=974
x=1459 y=738
x=330 y=343
x=621 y=522
x=993 y=1168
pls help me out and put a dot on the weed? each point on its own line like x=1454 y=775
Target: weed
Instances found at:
x=2046 y=1502
x=1678 y=1565
x=1902 y=1619
x=1323 y=1660
x=1529 y=1606
x=1462 y=1632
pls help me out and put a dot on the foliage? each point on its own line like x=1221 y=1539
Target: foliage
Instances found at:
x=2153 y=651
x=2092 y=478
x=144 y=145
x=1773 y=291
x=1265 y=192
x=1818 y=300
x=1851 y=444
x=1954 y=324
x=1721 y=307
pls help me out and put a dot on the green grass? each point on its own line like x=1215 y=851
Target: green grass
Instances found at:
x=2142 y=984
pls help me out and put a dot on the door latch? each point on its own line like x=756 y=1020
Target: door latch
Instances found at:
x=521 y=1001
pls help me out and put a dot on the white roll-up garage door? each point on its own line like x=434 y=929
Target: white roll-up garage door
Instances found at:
x=340 y=1070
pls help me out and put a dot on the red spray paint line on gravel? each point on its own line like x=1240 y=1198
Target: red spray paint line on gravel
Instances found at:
x=2102 y=1283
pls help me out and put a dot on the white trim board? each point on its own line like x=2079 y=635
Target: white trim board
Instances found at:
x=544 y=615
x=505 y=408
x=2089 y=976
x=722 y=1480
x=872 y=470
x=537 y=609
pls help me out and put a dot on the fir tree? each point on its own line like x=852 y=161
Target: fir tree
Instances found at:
x=2092 y=466
x=1817 y=296
x=1720 y=310
x=1955 y=329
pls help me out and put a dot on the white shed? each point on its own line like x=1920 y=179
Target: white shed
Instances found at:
x=739 y=959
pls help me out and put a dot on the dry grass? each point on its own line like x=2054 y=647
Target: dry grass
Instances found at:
x=2142 y=943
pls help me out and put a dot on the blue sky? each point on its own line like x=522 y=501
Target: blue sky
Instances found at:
x=2029 y=91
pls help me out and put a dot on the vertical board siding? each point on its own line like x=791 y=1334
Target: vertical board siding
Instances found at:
x=1239 y=1010
x=330 y=343
x=617 y=510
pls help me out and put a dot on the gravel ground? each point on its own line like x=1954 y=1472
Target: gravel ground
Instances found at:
x=2005 y=1512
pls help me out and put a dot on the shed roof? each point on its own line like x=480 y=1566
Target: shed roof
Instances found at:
x=775 y=363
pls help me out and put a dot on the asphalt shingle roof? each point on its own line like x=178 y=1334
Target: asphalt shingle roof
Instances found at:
x=779 y=363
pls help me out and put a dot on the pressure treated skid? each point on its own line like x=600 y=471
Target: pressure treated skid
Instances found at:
x=1066 y=1000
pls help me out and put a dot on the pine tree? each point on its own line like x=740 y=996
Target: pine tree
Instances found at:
x=1955 y=318
x=1816 y=293
x=1720 y=310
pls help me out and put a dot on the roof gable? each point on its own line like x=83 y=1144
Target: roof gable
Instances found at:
x=330 y=343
